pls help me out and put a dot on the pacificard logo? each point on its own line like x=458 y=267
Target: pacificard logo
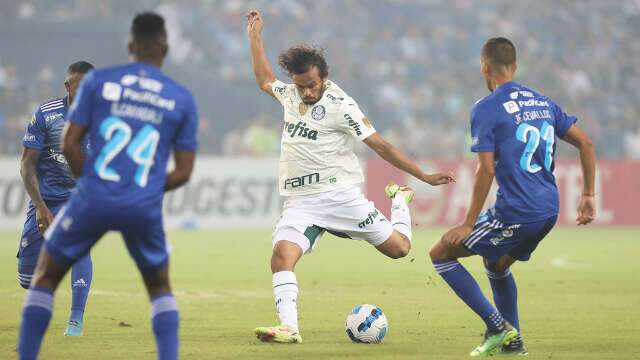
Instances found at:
x=300 y=129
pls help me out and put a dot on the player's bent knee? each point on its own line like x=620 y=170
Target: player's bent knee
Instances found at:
x=396 y=247
x=404 y=247
x=438 y=251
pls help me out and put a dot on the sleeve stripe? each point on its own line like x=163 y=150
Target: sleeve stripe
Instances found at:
x=51 y=105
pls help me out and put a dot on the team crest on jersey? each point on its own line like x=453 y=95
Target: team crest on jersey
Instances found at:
x=318 y=112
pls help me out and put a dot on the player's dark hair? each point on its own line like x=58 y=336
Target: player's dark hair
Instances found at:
x=79 y=67
x=301 y=58
x=499 y=52
x=148 y=25
x=148 y=38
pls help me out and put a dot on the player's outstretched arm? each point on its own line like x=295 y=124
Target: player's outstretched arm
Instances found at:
x=396 y=158
x=72 y=147
x=587 y=206
x=481 y=187
x=184 y=161
x=29 y=174
x=261 y=67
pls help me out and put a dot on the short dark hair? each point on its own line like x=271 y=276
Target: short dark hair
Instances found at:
x=147 y=25
x=499 y=51
x=301 y=58
x=79 y=67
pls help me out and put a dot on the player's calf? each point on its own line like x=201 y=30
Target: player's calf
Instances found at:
x=396 y=247
x=165 y=319
x=398 y=244
x=285 y=256
x=48 y=272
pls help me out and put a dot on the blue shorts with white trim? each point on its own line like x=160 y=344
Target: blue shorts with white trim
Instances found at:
x=493 y=239
x=82 y=222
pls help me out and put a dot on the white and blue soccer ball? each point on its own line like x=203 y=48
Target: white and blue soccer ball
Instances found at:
x=366 y=324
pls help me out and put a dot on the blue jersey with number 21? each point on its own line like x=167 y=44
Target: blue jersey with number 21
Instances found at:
x=521 y=126
x=135 y=116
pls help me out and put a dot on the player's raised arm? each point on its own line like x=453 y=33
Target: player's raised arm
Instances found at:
x=261 y=67
x=396 y=158
x=587 y=206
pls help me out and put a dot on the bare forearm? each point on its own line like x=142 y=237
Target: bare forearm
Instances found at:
x=481 y=188
x=396 y=158
x=29 y=176
x=261 y=66
x=588 y=162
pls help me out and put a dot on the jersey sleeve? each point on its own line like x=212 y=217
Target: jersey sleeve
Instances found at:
x=280 y=91
x=36 y=134
x=352 y=121
x=482 y=130
x=563 y=121
x=186 y=138
x=80 y=111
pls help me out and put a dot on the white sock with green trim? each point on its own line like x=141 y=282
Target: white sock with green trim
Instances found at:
x=285 y=291
x=400 y=215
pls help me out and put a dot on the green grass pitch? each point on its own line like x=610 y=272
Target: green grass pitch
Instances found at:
x=579 y=299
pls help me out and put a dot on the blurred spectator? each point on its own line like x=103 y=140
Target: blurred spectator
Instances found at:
x=412 y=65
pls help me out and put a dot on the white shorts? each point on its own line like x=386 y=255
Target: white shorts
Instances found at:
x=343 y=212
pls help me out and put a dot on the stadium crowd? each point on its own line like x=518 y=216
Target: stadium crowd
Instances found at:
x=411 y=64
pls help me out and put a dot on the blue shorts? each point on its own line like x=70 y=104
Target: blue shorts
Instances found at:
x=492 y=239
x=31 y=242
x=82 y=222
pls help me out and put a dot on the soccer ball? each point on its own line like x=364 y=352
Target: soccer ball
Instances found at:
x=366 y=324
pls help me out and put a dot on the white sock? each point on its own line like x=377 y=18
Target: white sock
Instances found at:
x=285 y=291
x=400 y=216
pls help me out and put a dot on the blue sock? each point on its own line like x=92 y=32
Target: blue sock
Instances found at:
x=467 y=289
x=165 y=321
x=36 y=314
x=505 y=295
x=81 y=276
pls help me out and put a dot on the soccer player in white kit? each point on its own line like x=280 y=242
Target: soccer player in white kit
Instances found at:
x=319 y=174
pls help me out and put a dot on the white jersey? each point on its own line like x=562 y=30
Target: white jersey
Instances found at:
x=316 y=152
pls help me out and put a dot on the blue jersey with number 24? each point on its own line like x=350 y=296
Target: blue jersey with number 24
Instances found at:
x=521 y=127
x=135 y=116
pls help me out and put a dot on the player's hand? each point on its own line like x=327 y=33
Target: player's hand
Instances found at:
x=438 y=179
x=44 y=218
x=456 y=235
x=586 y=210
x=254 y=22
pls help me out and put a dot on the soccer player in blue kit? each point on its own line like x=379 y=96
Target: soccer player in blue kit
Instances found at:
x=48 y=180
x=133 y=115
x=514 y=132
